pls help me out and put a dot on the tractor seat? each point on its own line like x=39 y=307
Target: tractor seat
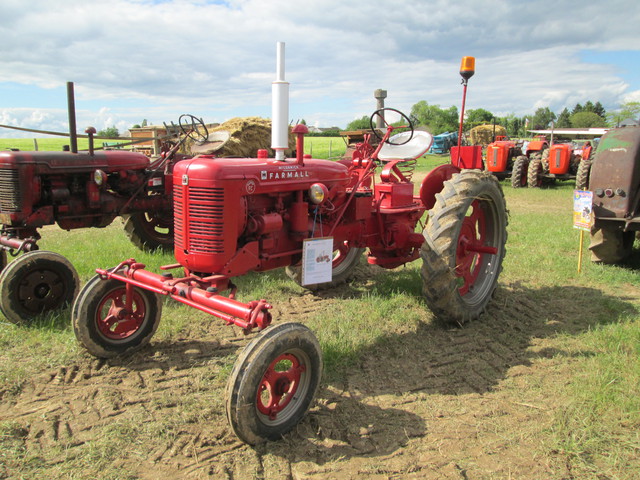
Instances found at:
x=414 y=148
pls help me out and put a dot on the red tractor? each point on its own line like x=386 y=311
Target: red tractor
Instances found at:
x=239 y=215
x=560 y=162
x=77 y=190
x=501 y=157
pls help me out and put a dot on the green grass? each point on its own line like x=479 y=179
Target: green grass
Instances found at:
x=596 y=431
x=50 y=144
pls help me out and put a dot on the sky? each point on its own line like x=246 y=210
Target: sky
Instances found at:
x=132 y=60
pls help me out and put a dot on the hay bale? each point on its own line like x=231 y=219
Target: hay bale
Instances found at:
x=238 y=137
x=483 y=134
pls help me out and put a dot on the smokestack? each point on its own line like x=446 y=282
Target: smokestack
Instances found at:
x=71 y=108
x=279 y=107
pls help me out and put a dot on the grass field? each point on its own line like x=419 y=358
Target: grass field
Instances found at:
x=582 y=343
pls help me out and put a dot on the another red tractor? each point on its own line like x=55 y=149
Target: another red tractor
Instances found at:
x=501 y=157
x=77 y=190
x=560 y=162
x=239 y=215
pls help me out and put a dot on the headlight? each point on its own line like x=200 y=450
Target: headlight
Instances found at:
x=99 y=177
x=318 y=193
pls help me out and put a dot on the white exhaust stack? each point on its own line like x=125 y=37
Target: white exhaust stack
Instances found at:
x=280 y=107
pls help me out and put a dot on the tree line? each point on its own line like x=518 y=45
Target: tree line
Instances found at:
x=438 y=120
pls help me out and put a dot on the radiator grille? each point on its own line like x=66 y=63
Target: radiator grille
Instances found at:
x=201 y=219
x=10 y=191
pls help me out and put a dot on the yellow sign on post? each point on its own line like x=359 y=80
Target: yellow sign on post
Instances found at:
x=582 y=217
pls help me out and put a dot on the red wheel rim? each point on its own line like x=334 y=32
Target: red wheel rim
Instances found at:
x=471 y=248
x=279 y=385
x=114 y=320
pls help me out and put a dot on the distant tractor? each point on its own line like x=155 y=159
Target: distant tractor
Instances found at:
x=501 y=157
x=584 y=168
x=559 y=162
x=615 y=183
x=442 y=143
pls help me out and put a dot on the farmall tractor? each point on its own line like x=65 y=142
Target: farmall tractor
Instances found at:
x=77 y=190
x=615 y=183
x=239 y=215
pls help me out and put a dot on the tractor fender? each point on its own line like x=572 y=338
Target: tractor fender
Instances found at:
x=433 y=183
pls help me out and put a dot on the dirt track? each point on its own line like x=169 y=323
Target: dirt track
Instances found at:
x=425 y=402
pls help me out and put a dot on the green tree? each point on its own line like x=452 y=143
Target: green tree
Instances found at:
x=542 y=118
x=435 y=118
x=587 y=120
x=111 y=132
x=564 y=119
x=478 y=116
x=577 y=109
x=359 y=124
x=626 y=110
x=599 y=109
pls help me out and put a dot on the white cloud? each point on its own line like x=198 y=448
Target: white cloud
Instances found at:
x=135 y=59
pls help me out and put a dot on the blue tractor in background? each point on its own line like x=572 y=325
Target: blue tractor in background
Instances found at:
x=442 y=143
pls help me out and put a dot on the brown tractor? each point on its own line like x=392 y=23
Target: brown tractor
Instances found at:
x=615 y=183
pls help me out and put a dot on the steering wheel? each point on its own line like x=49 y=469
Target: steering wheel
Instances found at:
x=380 y=113
x=194 y=128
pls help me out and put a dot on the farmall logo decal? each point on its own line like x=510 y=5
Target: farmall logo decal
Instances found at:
x=284 y=173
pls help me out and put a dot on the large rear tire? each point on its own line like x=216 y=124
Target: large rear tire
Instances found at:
x=582 y=177
x=534 y=173
x=105 y=327
x=273 y=382
x=519 y=172
x=610 y=246
x=150 y=232
x=35 y=283
x=464 y=246
x=345 y=260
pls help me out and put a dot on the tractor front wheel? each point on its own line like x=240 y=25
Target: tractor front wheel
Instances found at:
x=519 y=172
x=273 y=382
x=344 y=262
x=149 y=232
x=464 y=246
x=35 y=283
x=108 y=323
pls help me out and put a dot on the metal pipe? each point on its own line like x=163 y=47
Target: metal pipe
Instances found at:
x=279 y=107
x=71 y=106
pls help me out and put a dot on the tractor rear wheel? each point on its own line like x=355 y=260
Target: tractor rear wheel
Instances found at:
x=609 y=245
x=149 y=232
x=108 y=324
x=464 y=246
x=273 y=382
x=519 y=172
x=582 y=177
x=35 y=283
x=345 y=260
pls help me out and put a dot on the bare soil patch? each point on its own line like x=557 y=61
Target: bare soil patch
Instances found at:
x=426 y=401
